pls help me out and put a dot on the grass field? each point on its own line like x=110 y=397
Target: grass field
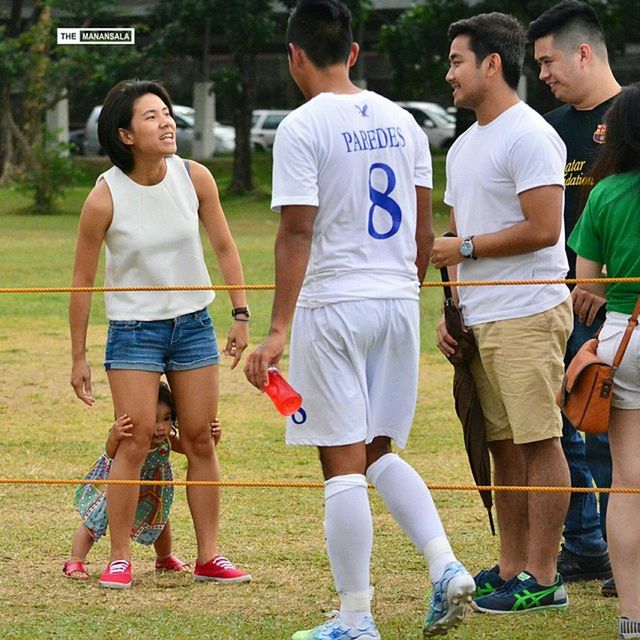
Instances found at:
x=275 y=533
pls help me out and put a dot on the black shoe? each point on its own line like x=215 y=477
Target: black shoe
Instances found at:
x=609 y=589
x=573 y=567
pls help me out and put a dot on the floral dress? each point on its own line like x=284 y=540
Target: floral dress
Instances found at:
x=154 y=502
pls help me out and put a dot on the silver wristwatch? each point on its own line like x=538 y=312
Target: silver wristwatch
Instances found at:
x=466 y=248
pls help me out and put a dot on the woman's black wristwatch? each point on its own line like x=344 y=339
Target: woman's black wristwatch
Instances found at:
x=240 y=311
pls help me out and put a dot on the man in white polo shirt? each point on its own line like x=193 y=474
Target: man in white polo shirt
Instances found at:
x=505 y=178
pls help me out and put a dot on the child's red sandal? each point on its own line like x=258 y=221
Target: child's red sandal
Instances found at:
x=171 y=563
x=75 y=570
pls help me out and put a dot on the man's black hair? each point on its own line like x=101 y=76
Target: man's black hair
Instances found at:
x=570 y=22
x=495 y=33
x=322 y=29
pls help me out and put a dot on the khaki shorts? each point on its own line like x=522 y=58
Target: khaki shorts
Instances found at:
x=518 y=370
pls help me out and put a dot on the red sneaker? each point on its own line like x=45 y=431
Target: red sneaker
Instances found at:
x=171 y=563
x=117 y=575
x=220 y=569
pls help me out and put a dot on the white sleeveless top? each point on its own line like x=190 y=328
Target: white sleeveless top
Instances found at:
x=154 y=240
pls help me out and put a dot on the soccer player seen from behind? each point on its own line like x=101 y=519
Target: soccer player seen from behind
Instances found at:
x=352 y=181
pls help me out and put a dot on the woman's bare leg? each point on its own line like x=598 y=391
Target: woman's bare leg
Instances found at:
x=136 y=394
x=623 y=528
x=195 y=394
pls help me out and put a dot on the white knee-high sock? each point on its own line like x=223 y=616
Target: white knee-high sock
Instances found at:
x=349 y=533
x=410 y=503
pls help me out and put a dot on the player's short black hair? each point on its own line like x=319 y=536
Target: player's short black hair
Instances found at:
x=322 y=29
x=495 y=33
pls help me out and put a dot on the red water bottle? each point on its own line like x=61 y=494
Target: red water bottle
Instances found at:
x=286 y=399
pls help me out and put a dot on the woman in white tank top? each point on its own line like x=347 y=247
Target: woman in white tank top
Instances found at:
x=148 y=209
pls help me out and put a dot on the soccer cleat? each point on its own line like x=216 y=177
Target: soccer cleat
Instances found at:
x=117 y=575
x=521 y=594
x=335 y=629
x=449 y=598
x=488 y=581
x=220 y=569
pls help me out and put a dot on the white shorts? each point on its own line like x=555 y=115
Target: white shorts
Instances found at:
x=626 y=381
x=356 y=366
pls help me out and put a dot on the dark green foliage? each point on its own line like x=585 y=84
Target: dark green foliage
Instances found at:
x=49 y=173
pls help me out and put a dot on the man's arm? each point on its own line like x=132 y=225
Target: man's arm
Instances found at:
x=424 y=230
x=542 y=211
x=292 y=248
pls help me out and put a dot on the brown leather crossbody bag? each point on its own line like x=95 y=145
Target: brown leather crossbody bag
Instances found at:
x=587 y=387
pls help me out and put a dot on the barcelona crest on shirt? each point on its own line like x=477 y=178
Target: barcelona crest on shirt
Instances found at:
x=600 y=133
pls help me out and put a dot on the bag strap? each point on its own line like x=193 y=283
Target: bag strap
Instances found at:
x=633 y=323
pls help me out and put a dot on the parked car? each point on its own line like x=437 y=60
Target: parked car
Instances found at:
x=264 y=123
x=435 y=121
x=224 y=136
x=76 y=140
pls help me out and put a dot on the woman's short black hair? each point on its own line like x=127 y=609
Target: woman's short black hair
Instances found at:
x=117 y=112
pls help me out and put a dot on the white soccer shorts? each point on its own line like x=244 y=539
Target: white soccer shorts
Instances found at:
x=356 y=366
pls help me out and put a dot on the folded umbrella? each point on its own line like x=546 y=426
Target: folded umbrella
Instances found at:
x=467 y=402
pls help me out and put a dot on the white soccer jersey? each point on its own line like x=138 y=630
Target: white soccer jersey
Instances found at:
x=358 y=158
x=487 y=168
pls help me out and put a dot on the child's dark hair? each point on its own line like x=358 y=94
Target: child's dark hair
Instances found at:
x=165 y=397
x=116 y=113
x=322 y=29
x=495 y=33
x=621 y=151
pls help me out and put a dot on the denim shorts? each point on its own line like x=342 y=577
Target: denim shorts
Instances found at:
x=179 y=344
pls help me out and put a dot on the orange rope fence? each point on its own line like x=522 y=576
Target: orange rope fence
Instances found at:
x=264 y=287
x=306 y=485
x=309 y=485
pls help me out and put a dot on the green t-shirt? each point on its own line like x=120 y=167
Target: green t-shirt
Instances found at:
x=608 y=232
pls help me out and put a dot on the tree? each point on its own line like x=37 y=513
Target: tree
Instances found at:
x=243 y=27
x=417 y=43
x=418 y=47
x=360 y=11
x=34 y=76
x=25 y=69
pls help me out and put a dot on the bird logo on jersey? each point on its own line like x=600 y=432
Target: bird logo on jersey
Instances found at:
x=600 y=134
x=363 y=110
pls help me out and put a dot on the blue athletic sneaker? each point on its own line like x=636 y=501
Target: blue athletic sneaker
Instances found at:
x=449 y=598
x=488 y=581
x=335 y=629
x=523 y=593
